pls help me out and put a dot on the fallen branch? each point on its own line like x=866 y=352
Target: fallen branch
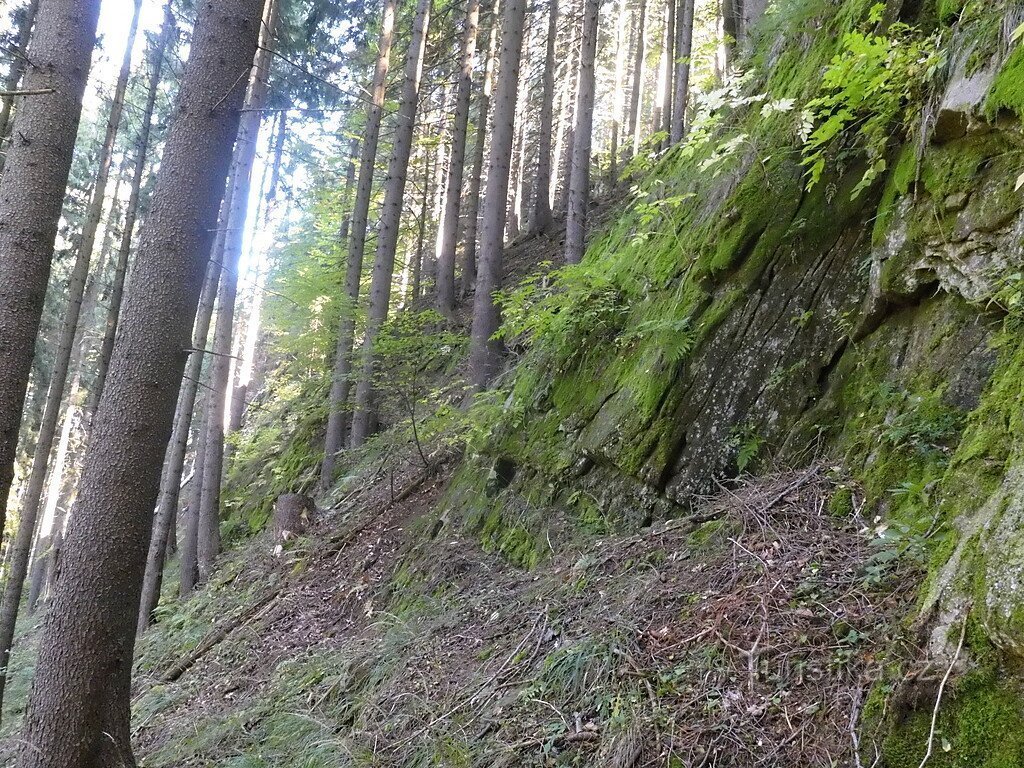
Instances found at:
x=220 y=634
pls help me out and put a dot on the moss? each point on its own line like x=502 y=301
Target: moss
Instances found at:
x=841 y=504
x=897 y=185
x=981 y=722
x=1007 y=91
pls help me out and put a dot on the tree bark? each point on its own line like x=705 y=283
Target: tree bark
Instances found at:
x=390 y=221
x=61 y=477
x=684 y=47
x=636 y=92
x=579 y=180
x=437 y=193
x=566 y=98
x=421 y=225
x=78 y=712
x=234 y=235
x=174 y=463
x=457 y=165
x=19 y=60
x=65 y=346
x=513 y=223
x=131 y=215
x=341 y=384
x=31 y=197
x=732 y=32
x=485 y=351
x=542 y=193
x=618 y=99
x=469 y=238
x=350 y=183
x=663 y=100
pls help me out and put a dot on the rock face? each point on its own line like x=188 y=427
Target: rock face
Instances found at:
x=770 y=324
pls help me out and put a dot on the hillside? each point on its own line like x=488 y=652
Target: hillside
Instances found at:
x=748 y=492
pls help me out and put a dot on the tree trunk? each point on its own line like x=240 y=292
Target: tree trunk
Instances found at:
x=684 y=47
x=78 y=713
x=341 y=384
x=131 y=216
x=476 y=179
x=437 y=190
x=663 y=102
x=485 y=351
x=174 y=463
x=569 y=111
x=579 y=179
x=619 y=93
x=513 y=226
x=65 y=346
x=350 y=183
x=456 y=169
x=188 y=562
x=563 y=130
x=542 y=193
x=421 y=225
x=636 y=92
x=31 y=197
x=18 y=61
x=390 y=221
x=234 y=235
x=61 y=477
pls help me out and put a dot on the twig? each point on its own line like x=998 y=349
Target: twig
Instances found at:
x=938 y=696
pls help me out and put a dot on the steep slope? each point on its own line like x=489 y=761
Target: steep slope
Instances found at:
x=751 y=493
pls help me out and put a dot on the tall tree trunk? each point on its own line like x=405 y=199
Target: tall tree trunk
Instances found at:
x=663 y=100
x=174 y=463
x=234 y=236
x=456 y=170
x=65 y=346
x=390 y=221
x=78 y=713
x=116 y=289
x=734 y=28
x=566 y=98
x=513 y=225
x=341 y=384
x=350 y=183
x=542 y=193
x=684 y=47
x=619 y=92
x=636 y=92
x=31 y=197
x=429 y=160
x=572 y=78
x=189 y=560
x=479 y=142
x=579 y=180
x=485 y=351
x=60 y=475
x=437 y=190
x=19 y=59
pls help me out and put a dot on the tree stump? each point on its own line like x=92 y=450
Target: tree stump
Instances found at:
x=293 y=514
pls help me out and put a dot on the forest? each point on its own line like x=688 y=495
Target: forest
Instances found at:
x=493 y=383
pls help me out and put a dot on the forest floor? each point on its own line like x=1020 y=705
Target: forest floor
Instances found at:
x=747 y=634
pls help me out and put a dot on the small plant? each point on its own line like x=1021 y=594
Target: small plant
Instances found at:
x=411 y=346
x=747 y=444
x=874 y=86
